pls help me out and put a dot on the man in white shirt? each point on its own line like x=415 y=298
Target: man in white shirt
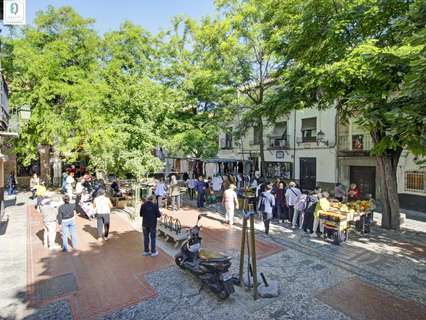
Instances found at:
x=191 y=185
x=161 y=192
x=217 y=183
x=102 y=205
x=291 y=195
x=230 y=202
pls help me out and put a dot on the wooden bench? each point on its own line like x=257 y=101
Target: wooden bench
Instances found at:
x=171 y=229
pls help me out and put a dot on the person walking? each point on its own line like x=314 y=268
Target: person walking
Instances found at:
x=34 y=181
x=191 y=187
x=200 y=187
x=102 y=205
x=230 y=202
x=66 y=218
x=160 y=191
x=291 y=196
x=11 y=183
x=150 y=213
x=49 y=215
x=69 y=182
x=40 y=191
x=265 y=205
x=174 y=190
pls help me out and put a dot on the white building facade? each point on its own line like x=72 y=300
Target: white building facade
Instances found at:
x=293 y=148
x=314 y=148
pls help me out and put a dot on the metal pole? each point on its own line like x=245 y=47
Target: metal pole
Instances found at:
x=243 y=239
x=253 y=255
x=294 y=146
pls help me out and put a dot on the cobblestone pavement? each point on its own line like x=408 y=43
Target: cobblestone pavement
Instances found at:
x=381 y=275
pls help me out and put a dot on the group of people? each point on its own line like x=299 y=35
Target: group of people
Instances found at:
x=300 y=209
x=172 y=190
x=62 y=211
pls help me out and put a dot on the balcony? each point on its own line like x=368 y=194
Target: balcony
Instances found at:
x=357 y=145
x=254 y=142
x=279 y=143
x=225 y=144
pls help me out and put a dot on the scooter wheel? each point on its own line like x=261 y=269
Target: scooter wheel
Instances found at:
x=223 y=295
x=179 y=261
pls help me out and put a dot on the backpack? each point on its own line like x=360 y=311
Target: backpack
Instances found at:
x=310 y=205
x=302 y=204
x=261 y=205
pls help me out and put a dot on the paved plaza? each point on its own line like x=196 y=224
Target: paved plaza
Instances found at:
x=381 y=275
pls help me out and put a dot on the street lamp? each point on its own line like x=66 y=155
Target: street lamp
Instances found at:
x=321 y=138
x=24 y=113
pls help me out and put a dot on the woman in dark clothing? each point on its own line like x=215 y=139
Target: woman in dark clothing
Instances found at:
x=280 y=203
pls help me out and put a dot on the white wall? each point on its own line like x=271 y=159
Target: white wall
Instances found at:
x=406 y=163
x=325 y=155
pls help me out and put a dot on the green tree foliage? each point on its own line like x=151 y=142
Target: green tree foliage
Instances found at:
x=111 y=99
x=53 y=63
x=362 y=56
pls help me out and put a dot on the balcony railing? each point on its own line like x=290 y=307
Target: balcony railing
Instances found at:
x=355 y=143
x=254 y=142
x=225 y=144
x=279 y=143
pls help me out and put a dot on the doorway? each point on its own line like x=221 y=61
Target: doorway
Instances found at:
x=365 y=178
x=308 y=173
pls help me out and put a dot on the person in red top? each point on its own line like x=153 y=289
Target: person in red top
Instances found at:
x=354 y=193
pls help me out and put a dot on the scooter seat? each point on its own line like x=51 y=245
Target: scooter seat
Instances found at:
x=212 y=255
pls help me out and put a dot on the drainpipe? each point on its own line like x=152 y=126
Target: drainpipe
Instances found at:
x=336 y=144
x=294 y=146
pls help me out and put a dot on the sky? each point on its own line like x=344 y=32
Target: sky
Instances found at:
x=153 y=15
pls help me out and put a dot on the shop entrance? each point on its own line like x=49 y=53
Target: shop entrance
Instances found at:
x=365 y=178
x=308 y=173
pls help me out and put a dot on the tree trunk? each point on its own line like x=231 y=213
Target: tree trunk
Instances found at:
x=44 y=154
x=388 y=193
x=261 y=148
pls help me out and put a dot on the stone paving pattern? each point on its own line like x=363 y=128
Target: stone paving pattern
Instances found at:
x=384 y=269
x=109 y=275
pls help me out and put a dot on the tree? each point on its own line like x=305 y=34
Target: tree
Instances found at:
x=188 y=68
x=361 y=56
x=50 y=70
x=237 y=44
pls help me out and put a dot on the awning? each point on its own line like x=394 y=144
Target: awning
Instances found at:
x=224 y=160
x=309 y=124
x=279 y=129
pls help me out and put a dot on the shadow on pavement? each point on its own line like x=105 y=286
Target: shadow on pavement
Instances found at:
x=97 y=279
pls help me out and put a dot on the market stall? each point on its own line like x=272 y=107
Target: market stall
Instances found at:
x=340 y=218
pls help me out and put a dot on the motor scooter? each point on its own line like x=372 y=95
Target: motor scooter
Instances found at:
x=211 y=267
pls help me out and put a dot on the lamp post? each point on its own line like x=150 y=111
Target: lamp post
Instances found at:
x=321 y=138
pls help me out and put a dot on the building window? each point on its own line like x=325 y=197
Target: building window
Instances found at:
x=228 y=140
x=309 y=130
x=358 y=142
x=415 y=181
x=279 y=170
x=257 y=137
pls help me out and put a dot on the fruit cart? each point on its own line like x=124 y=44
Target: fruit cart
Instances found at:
x=336 y=225
x=340 y=218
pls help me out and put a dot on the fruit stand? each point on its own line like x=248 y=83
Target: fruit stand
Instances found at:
x=340 y=218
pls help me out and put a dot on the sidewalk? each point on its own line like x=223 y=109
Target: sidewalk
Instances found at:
x=381 y=275
x=13 y=256
x=97 y=279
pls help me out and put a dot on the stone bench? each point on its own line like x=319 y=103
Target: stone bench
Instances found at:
x=171 y=229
